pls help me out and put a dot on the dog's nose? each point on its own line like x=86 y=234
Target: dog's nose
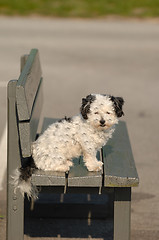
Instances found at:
x=102 y=121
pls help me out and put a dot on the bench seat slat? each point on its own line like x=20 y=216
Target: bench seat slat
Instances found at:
x=48 y=178
x=119 y=166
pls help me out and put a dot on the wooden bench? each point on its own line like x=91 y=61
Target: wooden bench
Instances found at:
x=25 y=97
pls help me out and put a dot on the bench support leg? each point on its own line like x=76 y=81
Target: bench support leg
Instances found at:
x=122 y=213
x=15 y=215
x=15 y=202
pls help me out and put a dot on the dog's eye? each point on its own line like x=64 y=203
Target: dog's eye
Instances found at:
x=108 y=112
x=96 y=113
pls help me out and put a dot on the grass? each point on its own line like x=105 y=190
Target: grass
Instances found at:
x=81 y=8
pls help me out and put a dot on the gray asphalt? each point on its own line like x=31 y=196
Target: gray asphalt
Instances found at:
x=94 y=56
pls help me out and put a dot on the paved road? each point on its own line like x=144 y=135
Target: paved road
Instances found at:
x=94 y=56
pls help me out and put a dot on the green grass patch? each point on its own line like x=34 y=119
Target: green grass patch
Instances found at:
x=81 y=8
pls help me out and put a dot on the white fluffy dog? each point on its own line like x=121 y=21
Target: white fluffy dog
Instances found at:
x=83 y=134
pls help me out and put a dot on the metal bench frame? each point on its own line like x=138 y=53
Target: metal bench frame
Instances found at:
x=119 y=172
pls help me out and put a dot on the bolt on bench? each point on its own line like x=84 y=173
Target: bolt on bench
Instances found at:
x=119 y=173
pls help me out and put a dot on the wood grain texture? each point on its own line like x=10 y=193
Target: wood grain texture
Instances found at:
x=27 y=85
x=119 y=165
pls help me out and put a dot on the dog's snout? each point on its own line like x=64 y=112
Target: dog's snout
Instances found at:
x=102 y=121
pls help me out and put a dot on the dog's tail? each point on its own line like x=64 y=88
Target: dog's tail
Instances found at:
x=21 y=179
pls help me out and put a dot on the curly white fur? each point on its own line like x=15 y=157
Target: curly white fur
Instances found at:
x=62 y=141
x=23 y=186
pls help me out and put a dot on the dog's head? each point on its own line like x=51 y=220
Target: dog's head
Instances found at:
x=102 y=111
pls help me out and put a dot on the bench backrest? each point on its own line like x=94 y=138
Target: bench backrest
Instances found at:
x=29 y=100
x=25 y=103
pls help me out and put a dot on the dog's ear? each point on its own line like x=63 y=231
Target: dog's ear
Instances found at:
x=118 y=103
x=86 y=102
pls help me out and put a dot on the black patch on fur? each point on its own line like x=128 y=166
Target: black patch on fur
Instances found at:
x=118 y=104
x=86 y=102
x=68 y=119
x=27 y=169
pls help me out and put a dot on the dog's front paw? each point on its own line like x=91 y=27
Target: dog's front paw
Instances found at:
x=94 y=166
x=62 y=168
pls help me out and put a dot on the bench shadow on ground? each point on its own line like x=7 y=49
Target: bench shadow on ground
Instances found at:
x=69 y=228
x=66 y=220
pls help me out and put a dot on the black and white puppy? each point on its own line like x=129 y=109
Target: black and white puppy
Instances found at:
x=83 y=134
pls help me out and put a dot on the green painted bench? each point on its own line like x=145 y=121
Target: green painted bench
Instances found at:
x=25 y=97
